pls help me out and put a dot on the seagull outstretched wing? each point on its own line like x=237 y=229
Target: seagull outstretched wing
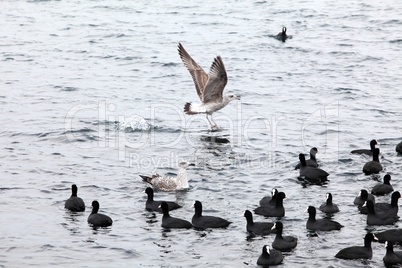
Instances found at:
x=216 y=82
x=199 y=76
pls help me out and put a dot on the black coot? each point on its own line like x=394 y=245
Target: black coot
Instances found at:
x=204 y=222
x=269 y=200
x=393 y=235
x=283 y=243
x=98 y=219
x=374 y=166
x=311 y=174
x=328 y=206
x=74 y=203
x=368 y=152
x=276 y=210
x=171 y=222
x=375 y=218
x=385 y=208
x=257 y=228
x=282 y=35
x=362 y=197
x=269 y=257
x=152 y=205
x=358 y=252
x=321 y=224
x=312 y=162
x=383 y=188
x=391 y=257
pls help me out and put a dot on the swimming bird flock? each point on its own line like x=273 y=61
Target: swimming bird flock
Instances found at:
x=209 y=88
x=272 y=207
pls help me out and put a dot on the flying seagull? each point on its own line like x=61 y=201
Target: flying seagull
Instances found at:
x=209 y=86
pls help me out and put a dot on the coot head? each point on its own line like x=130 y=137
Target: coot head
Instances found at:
x=376 y=154
x=311 y=211
x=278 y=226
x=313 y=151
x=165 y=208
x=329 y=198
x=302 y=159
x=247 y=214
x=368 y=238
x=387 y=179
x=198 y=207
x=274 y=192
x=280 y=196
x=74 y=190
x=395 y=196
x=150 y=192
x=363 y=194
x=373 y=143
x=370 y=206
x=95 y=206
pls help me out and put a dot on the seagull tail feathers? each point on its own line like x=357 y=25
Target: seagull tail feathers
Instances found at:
x=188 y=110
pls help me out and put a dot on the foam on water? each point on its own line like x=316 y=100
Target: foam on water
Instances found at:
x=134 y=123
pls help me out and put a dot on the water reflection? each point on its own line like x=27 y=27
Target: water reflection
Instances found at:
x=215 y=139
x=150 y=217
x=311 y=233
x=306 y=183
x=72 y=221
x=99 y=229
x=215 y=152
x=181 y=195
x=253 y=237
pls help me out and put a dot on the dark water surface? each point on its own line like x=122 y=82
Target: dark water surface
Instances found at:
x=92 y=93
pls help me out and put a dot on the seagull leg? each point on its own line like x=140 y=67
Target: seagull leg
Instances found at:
x=214 y=122
x=209 y=122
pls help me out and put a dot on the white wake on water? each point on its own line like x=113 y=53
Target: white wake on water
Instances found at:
x=134 y=123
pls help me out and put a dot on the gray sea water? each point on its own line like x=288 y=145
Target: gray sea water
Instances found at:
x=92 y=93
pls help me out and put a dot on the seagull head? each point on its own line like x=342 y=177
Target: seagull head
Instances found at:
x=185 y=164
x=231 y=97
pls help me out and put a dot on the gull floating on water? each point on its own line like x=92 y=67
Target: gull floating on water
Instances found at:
x=209 y=87
x=170 y=183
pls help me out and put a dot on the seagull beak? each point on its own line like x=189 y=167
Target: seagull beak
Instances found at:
x=238 y=97
x=191 y=164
